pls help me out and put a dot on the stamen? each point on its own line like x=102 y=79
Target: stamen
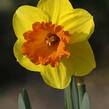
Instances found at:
x=52 y=39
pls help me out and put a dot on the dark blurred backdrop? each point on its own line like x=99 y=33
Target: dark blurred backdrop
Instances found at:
x=13 y=77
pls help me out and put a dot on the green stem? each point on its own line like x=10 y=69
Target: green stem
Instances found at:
x=26 y=99
x=81 y=89
x=68 y=104
x=75 y=94
x=78 y=87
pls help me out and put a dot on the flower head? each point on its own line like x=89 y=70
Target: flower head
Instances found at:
x=53 y=40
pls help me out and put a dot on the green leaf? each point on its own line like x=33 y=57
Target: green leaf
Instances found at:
x=68 y=104
x=21 y=104
x=81 y=89
x=85 y=102
x=75 y=94
x=26 y=99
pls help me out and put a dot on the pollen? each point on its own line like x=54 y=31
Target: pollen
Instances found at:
x=45 y=44
x=52 y=39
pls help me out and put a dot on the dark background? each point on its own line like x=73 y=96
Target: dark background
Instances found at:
x=13 y=77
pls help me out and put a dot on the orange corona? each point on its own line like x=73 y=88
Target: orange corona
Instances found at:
x=45 y=44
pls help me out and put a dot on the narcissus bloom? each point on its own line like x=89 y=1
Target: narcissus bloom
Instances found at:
x=53 y=40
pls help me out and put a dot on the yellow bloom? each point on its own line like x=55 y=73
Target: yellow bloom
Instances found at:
x=47 y=33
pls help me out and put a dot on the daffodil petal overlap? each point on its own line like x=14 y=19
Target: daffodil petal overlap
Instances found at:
x=56 y=77
x=54 y=8
x=81 y=61
x=24 y=61
x=79 y=23
x=24 y=17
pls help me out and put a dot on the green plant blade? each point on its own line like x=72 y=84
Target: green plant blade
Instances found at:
x=81 y=89
x=68 y=104
x=85 y=102
x=26 y=99
x=75 y=94
x=21 y=104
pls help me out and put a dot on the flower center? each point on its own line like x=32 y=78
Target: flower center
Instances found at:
x=52 y=39
x=45 y=44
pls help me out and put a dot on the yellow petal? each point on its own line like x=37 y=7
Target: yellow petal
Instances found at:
x=24 y=17
x=54 y=8
x=79 y=23
x=56 y=77
x=24 y=61
x=81 y=61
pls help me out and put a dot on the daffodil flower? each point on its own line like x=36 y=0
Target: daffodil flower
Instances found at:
x=53 y=40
